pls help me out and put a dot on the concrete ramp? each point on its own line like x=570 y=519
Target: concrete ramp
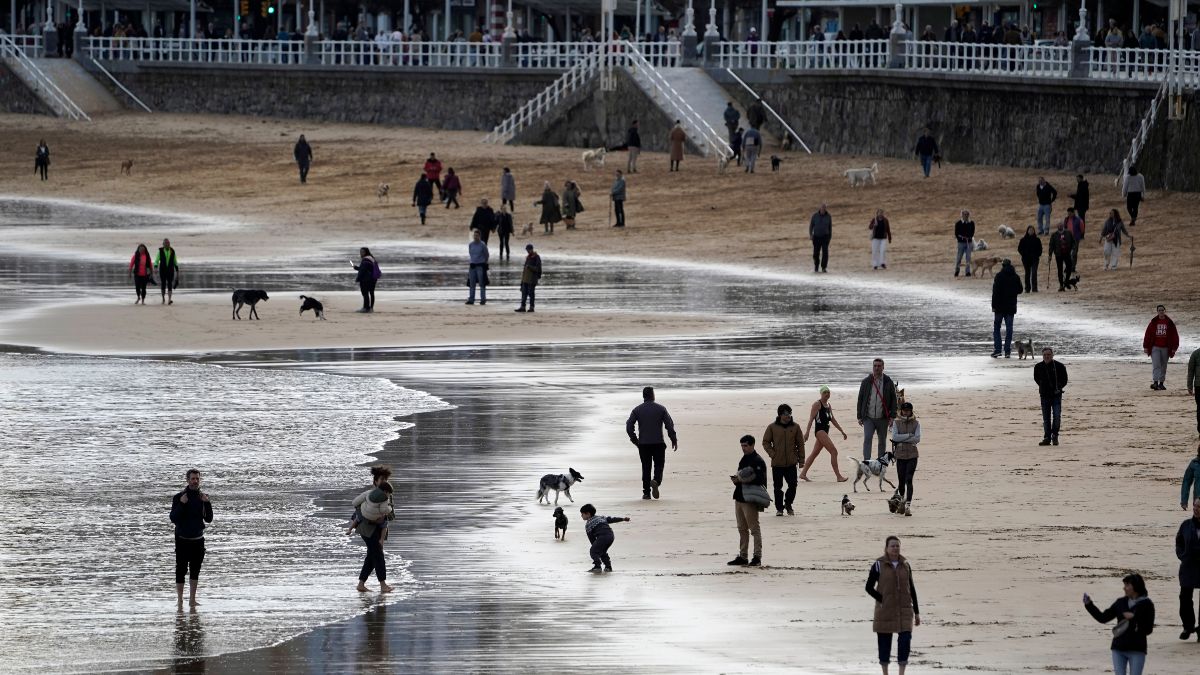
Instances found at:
x=703 y=93
x=78 y=85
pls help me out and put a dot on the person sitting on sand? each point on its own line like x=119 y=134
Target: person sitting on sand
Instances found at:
x=822 y=413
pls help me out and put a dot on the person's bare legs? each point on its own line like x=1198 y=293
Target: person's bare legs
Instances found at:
x=192 y=592
x=179 y=595
x=811 y=458
x=902 y=666
x=384 y=588
x=833 y=457
x=885 y=668
x=362 y=587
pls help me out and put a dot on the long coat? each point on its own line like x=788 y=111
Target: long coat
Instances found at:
x=569 y=199
x=678 y=138
x=895 y=613
x=550 y=211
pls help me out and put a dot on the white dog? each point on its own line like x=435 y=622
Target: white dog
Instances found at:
x=861 y=176
x=875 y=467
x=593 y=157
x=981 y=245
x=722 y=163
x=1006 y=232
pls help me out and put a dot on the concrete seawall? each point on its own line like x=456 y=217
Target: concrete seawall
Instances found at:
x=17 y=98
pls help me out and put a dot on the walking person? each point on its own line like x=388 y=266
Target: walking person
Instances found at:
x=1030 y=250
x=1110 y=236
x=890 y=583
x=822 y=413
x=167 y=264
x=551 y=213
x=1191 y=481
x=732 y=118
x=1193 y=383
x=877 y=401
x=373 y=532
x=1135 y=614
x=1187 y=549
x=422 y=196
x=433 y=173
x=1061 y=244
x=820 y=230
x=784 y=444
x=1051 y=379
x=508 y=190
x=676 y=139
x=964 y=234
x=1082 y=197
x=303 y=154
x=477 y=254
x=504 y=229
x=452 y=187
x=1046 y=194
x=735 y=144
x=1160 y=343
x=752 y=470
x=531 y=274
x=1075 y=225
x=617 y=195
x=483 y=220
x=881 y=236
x=1133 y=189
x=141 y=268
x=368 y=275
x=633 y=144
x=191 y=511
x=906 y=434
x=645 y=430
x=925 y=150
x=41 y=160
x=1005 y=289
x=570 y=203
x=751 y=146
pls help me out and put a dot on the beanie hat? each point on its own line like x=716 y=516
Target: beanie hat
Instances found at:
x=377 y=496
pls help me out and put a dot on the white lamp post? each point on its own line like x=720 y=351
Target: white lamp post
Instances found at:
x=49 y=16
x=689 y=25
x=1081 y=33
x=79 y=27
x=312 y=25
x=712 y=31
x=509 y=33
x=898 y=24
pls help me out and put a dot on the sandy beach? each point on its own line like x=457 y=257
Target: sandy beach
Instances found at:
x=1006 y=535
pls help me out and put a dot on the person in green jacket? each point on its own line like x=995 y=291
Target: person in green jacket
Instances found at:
x=167 y=264
x=1191 y=481
x=1193 y=383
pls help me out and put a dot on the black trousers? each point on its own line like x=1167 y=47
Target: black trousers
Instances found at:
x=820 y=252
x=484 y=234
x=905 y=468
x=1133 y=201
x=599 y=550
x=139 y=285
x=779 y=476
x=374 y=561
x=527 y=293
x=438 y=183
x=41 y=168
x=189 y=554
x=1065 y=268
x=367 y=288
x=504 y=248
x=619 y=210
x=1031 y=270
x=1197 y=390
x=1187 y=612
x=452 y=198
x=652 y=454
x=166 y=282
x=303 y=172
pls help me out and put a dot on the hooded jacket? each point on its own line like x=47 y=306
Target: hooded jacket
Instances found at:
x=1030 y=248
x=1191 y=477
x=1005 y=289
x=1161 y=333
x=423 y=192
x=784 y=443
x=1046 y=194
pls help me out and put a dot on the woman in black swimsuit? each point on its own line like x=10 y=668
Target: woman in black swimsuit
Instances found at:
x=822 y=414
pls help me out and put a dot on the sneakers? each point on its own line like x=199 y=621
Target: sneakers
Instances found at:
x=907 y=509
x=608 y=568
x=1045 y=441
x=789 y=510
x=645 y=495
x=739 y=561
x=469 y=302
x=779 y=514
x=755 y=562
x=596 y=569
x=995 y=355
x=654 y=488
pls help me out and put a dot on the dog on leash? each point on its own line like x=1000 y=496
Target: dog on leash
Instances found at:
x=242 y=297
x=861 y=176
x=127 y=167
x=527 y=228
x=559 y=483
x=314 y=304
x=382 y=192
x=1006 y=232
x=560 y=524
x=847 y=506
x=875 y=467
x=982 y=265
x=593 y=158
x=1024 y=349
x=776 y=160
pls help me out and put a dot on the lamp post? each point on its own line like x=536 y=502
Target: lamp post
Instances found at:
x=711 y=31
x=1081 y=33
x=508 y=23
x=49 y=25
x=79 y=27
x=689 y=26
x=312 y=25
x=898 y=24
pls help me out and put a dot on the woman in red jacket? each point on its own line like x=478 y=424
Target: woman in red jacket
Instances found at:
x=1160 y=344
x=141 y=268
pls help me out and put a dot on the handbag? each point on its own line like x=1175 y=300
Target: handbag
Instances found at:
x=756 y=495
x=1121 y=628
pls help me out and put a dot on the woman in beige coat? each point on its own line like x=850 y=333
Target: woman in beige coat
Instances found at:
x=677 y=138
x=890 y=583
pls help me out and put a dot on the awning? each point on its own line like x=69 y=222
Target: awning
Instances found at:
x=142 y=5
x=584 y=7
x=835 y=4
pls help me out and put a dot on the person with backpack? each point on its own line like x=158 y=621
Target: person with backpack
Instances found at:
x=1061 y=244
x=368 y=276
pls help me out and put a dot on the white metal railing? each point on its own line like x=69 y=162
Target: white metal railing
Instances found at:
x=410 y=54
x=120 y=86
x=579 y=75
x=1146 y=65
x=965 y=57
x=184 y=50
x=1139 y=139
x=660 y=54
x=30 y=45
x=552 y=55
x=698 y=129
x=49 y=92
x=841 y=54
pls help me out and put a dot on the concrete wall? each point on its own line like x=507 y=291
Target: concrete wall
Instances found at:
x=17 y=98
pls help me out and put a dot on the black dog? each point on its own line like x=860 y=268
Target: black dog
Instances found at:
x=313 y=304
x=560 y=524
x=247 y=297
x=1072 y=282
x=776 y=160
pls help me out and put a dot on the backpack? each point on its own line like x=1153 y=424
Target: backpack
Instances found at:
x=375 y=271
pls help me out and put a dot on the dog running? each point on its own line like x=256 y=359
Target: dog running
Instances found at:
x=1072 y=282
x=127 y=167
x=847 y=506
x=593 y=158
x=560 y=524
x=314 y=304
x=248 y=297
x=559 y=483
x=875 y=467
x=861 y=176
x=382 y=192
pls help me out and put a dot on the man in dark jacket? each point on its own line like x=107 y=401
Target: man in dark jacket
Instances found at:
x=1062 y=242
x=1187 y=549
x=964 y=235
x=874 y=31
x=650 y=418
x=1005 y=289
x=633 y=144
x=732 y=117
x=756 y=114
x=190 y=510
x=1082 y=197
x=423 y=196
x=1051 y=377
x=531 y=274
x=483 y=220
x=925 y=149
x=1046 y=194
x=877 y=403
x=752 y=470
x=303 y=154
x=820 y=230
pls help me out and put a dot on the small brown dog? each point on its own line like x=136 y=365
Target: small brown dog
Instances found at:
x=527 y=228
x=986 y=265
x=127 y=167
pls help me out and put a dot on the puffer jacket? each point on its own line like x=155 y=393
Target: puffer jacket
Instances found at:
x=784 y=443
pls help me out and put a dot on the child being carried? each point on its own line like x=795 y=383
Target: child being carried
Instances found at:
x=372 y=506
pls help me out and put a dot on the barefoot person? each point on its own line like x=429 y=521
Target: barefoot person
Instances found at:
x=374 y=532
x=822 y=413
x=167 y=264
x=190 y=511
x=141 y=268
x=1134 y=612
x=890 y=582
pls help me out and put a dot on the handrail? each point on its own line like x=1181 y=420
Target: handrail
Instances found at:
x=1140 y=138
x=121 y=86
x=568 y=82
x=770 y=110
x=709 y=139
x=67 y=107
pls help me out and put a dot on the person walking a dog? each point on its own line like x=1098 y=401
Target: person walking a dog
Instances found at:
x=41 y=160
x=752 y=470
x=531 y=274
x=820 y=230
x=881 y=236
x=1046 y=194
x=890 y=583
x=1135 y=614
x=167 y=264
x=617 y=195
x=783 y=442
x=508 y=190
x=1051 y=378
x=1160 y=343
x=822 y=413
x=877 y=402
x=1076 y=227
x=676 y=139
x=422 y=196
x=645 y=430
x=368 y=275
x=191 y=510
x=1061 y=244
x=1005 y=289
x=633 y=144
x=925 y=150
x=751 y=147
x=1030 y=250
x=600 y=535
x=906 y=434
x=303 y=154
x=141 y=268
x=964 y=234
x=477 y=254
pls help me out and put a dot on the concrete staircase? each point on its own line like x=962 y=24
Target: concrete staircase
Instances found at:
x=688 y=95
x=79 y=86
x=704 y=95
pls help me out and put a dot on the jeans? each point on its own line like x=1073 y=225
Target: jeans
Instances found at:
x=1159 y=357
x=619 y=211
x=527 y=292
x=874 y=427
x=188 y=553
x=421 y=210
x=750 y=154
x=1008 y=321
x=780 y=475
x=926 y=164
x=747 y=524
x=303 y=172
x=1043 y=218
x=374 y=560
x=1187 y=611
x=820 y=253
x=964 y=250
x=599 y=549
x=476 y=275
x=1135 y=661
x=905 y=468
x=902 y=646
x=1051 y=405
x=1031 y=272
x=367 y=288
x=652 y=454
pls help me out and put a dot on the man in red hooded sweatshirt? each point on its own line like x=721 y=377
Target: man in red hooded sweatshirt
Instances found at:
x=1160 y=344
